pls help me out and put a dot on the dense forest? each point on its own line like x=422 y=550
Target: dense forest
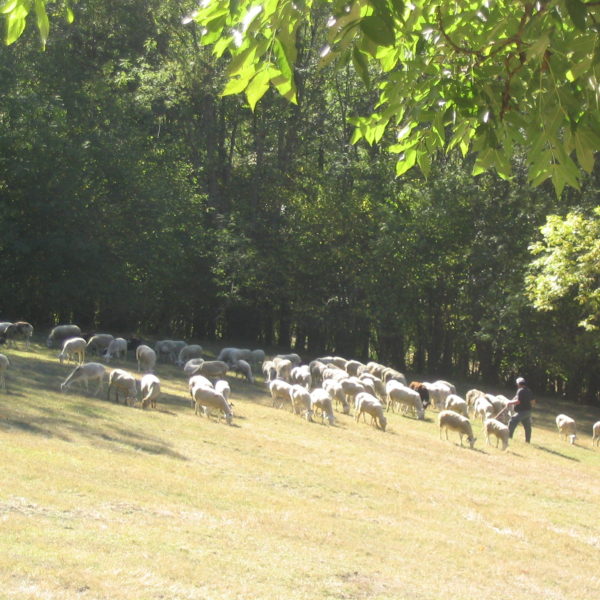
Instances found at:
x=136 y=198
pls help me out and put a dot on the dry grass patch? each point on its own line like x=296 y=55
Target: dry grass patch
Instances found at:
x=98 y=500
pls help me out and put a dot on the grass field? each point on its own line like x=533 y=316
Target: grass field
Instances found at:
x=99 y=500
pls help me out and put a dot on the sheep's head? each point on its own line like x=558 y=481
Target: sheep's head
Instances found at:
x=572 y=438
x=472 y=441
x=382 y=422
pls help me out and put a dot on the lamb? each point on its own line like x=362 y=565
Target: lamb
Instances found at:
x=116 y=347
x=281 y=391
x=99 y=342
x=497 y=429
x=188 y=352
x=73 y=347
x=566 y=428
x=150 y=388
x=146 y=358
x=206 y=398
x=301 y=403
x=366 y=403
x=4 y=364
x=20 y=329
x=61 y=333
x=321 y=401
x=85 y=372
x=596 y=434
x=243 y=368
x=407 y=399
x=457 y=404
x=336 y=392
x=448 y=419
x=213 y=369
x=122 y=381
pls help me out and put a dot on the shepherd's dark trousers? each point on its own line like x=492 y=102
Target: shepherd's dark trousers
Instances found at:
x=521 y=417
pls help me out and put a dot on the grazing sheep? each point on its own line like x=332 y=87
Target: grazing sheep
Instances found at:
x=167 y=350
x=146 y=358
x=497 y=429
x=243 y=368
x=150 y=390
x=206 y=398
x=20 y=329
x=257 y=357
x=421 y=388
x=99 y=342
x=122 y=381
x=566 y=428
x=376 y=383
x=471 y=397
x=195 y=381
x=447 y=384
x=293 y=358
x=483 y=408
x=301 y=403
x=502 y=410
x=366 y=403
x=352 y=386
x=232 y=355
x=375 y=369
x=596 y=434
x=389 y=374
x=3 y=326
x=301 y=376
x=448 y=419
x=281 y=391
x=117 y=347
x=191 y=366
x=188 y=352
x=61 y=333
x=316 y=368
x=223 y=388
x=321 y=401
x=438 y=392
x=352 y=367
x=405 y=398
x=333 y=372
x=283 y=368
x=85 y=372
x=213 y=369
x=269 y=371
x=4 y=364
x=457 y=404
x=336 y=392
x=73 y=347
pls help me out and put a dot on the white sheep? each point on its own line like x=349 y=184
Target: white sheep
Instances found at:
x=301 y=403
x=73 y=347
x=336 y=393
x=366 y=403
x=483 y=408
x=566 y=428
x=352 y=386
x=389 y=374
x=352 y=367
x=283 y=368
x=407 y=399
x=293 y=358
x=198 y=381
x=457 y=404
x=191 y=366
x=448 y=419
x=122 y=381
x=596 y=434
x=243 y=367
x=470 y=398
x=223 y=388
x=4 y=364
x=99 y=342
x=116 y=347
x=150 y=390
x=146 y=358
x=20 y=329
x=269 y=371
x=232 y=355
x=206 y=398
x=188 y=352
x=499 y=430
x=316 y=368
x=321 y=401
x=61 y=333
x=85 y=372
x=301 y=375
x=281 y=391
x=438 y=392
x=376 y=383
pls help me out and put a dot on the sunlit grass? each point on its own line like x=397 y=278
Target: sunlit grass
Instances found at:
x=98 y=500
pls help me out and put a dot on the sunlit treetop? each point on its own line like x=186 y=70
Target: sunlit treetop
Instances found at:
x=493 y=77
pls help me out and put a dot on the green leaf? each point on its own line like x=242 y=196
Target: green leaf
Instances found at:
x=15 y=23
x=584 y=149
x=360 y=64
x=578 y=12
x=408 y=162
x=42 y=21
x=258 y=87
x=235 y=86
x=378 y=30
x=7 y=6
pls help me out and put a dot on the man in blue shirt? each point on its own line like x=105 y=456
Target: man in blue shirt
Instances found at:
x=523 y=403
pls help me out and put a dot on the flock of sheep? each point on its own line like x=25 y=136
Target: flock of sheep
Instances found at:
x=316 y=389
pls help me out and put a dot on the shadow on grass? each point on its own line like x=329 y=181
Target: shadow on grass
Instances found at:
x=555 y=453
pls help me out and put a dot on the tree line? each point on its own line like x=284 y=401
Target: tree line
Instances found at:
x=135 y=197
